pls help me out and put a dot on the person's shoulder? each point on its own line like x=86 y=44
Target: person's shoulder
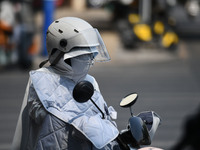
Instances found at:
x=44 y=69
x=93 y=81
x=41 y=72
x=90 y=78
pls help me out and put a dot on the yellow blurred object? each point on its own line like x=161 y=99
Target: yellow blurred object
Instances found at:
x=169 y=38
x=159 y=27
x=143 y=32
x=133 y=18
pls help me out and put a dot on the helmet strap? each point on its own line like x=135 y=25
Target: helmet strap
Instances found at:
x=59 y=56
x=43 y=63
x=55 y=61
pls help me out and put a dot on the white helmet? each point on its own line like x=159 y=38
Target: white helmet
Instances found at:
x=71 y=37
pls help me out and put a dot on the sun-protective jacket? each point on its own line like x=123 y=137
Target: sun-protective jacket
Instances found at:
x=55 y=94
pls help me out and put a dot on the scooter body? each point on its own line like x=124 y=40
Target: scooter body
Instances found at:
x=142 y=127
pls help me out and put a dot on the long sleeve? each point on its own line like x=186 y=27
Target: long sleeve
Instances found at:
x=36 y=110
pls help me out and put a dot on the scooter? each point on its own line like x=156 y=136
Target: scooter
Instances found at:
x=139 y=23
x=140 y=129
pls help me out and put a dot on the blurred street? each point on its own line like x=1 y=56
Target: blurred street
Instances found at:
x=167 y=82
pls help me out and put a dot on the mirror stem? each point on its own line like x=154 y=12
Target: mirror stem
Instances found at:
x=103 y=116
x=131 y=111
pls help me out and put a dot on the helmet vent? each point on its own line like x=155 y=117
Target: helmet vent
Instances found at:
x=60 y=31
x=56 y=21
x=76 y=31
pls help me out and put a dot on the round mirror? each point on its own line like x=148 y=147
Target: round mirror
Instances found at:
x=129 y=100
x=83 y=91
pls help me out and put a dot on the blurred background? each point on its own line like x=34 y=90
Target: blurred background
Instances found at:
x=154 y=49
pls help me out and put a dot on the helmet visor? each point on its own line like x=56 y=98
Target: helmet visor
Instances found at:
x=85 y=42
x=103 y=54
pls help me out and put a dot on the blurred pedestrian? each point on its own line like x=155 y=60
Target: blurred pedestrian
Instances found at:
x=25 y=30
x=7 y=21
x=50 y=118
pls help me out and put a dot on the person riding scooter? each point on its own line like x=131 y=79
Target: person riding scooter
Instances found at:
x=50 y=118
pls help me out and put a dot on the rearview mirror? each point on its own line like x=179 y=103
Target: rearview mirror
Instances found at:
x=129 y=100
x=83 y=91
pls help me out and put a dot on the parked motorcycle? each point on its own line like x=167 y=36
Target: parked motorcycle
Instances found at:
x=138 y=25
x=140 y=129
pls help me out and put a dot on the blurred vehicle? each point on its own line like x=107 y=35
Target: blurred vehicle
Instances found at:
x=186 y=15
x=132 y=32
x=138 y=22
